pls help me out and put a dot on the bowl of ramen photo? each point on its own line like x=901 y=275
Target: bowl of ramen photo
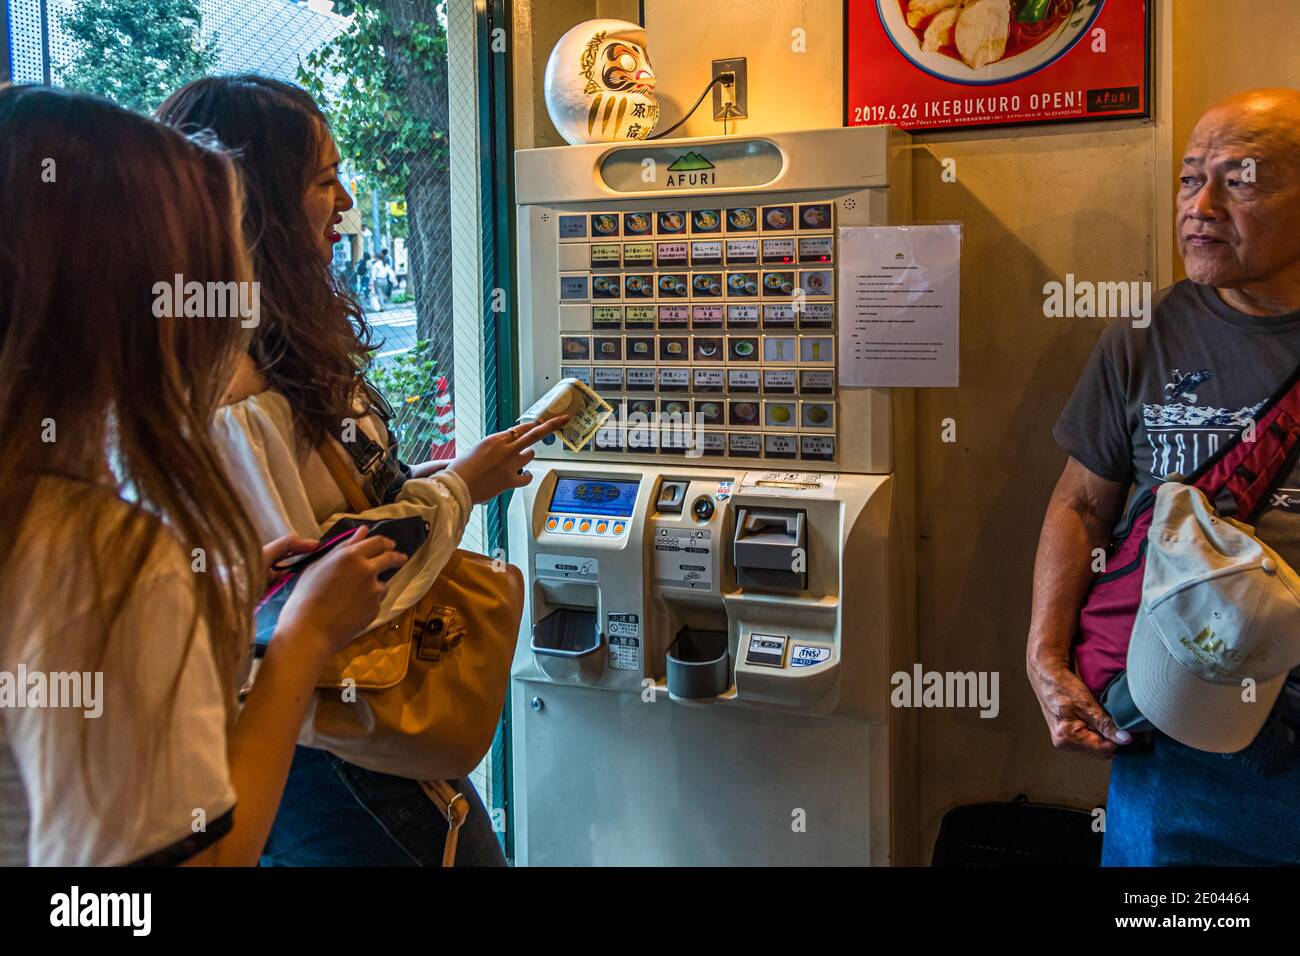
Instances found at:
x=814 y=217
x=637 y=224
x=706 y=219
x=672 y=222
x=985 y=41
x=740 y=218
x=777 y=218
x=605 y=225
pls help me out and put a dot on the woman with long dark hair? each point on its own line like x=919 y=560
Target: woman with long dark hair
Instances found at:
x=129 y=567
x=302 y=384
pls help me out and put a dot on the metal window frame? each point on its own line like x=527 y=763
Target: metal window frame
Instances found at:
x=500 y=338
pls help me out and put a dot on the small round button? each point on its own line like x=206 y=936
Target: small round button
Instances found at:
x=551 y=524
x=568 y=524
x=585 y=526
x=703 y=508
x=618 y=528
x=1269 y=565
x=602 y=527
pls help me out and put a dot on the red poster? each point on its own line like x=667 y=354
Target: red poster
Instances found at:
x=947 y=64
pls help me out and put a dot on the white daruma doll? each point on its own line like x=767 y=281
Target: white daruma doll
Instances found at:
x=599 y=84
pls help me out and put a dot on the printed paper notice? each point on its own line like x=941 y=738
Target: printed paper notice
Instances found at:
x=899 y=295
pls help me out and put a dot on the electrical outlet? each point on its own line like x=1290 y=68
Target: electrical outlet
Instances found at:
x=739 y=92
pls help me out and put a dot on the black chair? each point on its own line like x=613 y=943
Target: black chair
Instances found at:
x=1015 y=834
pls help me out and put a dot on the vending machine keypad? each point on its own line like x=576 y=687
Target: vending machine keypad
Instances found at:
x=716 y=325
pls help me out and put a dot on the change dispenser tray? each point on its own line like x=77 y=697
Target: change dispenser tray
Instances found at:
x=699 y=666
x=568 y=645
x=769 y=544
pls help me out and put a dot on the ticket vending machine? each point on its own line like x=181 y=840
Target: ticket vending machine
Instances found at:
x=720 y=581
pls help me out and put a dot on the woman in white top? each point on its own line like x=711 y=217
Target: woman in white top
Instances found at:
x=302 y=385
x=129 y=570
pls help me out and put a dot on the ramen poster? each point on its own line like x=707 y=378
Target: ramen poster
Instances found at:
x=948 y=64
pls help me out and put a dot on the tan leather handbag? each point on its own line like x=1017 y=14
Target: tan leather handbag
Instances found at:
x=428 y=687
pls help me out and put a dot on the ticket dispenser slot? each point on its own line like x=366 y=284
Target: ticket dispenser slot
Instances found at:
x=569 y=645
x=769 y=544
x=567 y=641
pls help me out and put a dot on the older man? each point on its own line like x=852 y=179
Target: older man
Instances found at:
x=1158 y=400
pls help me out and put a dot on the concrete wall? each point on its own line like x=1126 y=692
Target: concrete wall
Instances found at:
x=1091 y=199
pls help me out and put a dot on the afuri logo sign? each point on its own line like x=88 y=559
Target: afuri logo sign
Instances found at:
x=691 y=169
x=738 y=163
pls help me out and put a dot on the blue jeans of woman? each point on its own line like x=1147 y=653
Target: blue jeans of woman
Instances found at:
x=334 y=813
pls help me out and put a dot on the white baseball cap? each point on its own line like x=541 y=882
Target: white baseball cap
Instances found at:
x=1219 y=606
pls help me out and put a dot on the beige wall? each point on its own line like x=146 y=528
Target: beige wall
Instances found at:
x=536 y=28
x=788 y=89
x=1091 y=199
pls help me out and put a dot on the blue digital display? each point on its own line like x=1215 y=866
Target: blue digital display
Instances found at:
x=595 y=496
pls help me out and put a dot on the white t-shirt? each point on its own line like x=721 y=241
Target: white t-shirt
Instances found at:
x=286 y=492
x=164 y=810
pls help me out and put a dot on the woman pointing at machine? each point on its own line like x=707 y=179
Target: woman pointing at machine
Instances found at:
x=300 y=409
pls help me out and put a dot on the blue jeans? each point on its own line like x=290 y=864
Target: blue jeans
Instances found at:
x=1172 y=805
x=334 y=813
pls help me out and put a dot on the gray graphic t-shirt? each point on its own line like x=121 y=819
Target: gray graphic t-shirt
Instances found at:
x=1161 y=400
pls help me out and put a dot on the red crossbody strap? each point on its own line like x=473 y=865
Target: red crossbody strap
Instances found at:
x=1239 y=480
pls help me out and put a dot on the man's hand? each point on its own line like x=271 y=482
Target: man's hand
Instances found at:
x=1075 y=719
x=1080 y=516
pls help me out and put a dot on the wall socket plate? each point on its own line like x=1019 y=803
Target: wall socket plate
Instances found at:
x=737 y=66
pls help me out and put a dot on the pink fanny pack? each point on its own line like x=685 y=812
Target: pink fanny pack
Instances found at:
x=1237 y=480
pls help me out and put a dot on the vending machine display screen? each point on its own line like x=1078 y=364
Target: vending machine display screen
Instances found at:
x=595 y=496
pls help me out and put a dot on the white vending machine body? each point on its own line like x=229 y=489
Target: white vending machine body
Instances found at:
x=715 y=609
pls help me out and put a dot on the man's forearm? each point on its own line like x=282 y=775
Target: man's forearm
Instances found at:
x=1062 y=575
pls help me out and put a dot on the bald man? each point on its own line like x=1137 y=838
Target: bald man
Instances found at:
x=1158 y=400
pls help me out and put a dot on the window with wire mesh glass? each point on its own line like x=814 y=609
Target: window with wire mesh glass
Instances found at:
x=379 y=70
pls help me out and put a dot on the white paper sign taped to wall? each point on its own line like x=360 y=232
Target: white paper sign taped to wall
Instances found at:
x=900 y=303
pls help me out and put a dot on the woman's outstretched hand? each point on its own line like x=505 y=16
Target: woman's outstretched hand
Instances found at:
x=497 y=463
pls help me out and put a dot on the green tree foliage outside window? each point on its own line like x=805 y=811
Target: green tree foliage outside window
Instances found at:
x=136 y=54
x=410 y=383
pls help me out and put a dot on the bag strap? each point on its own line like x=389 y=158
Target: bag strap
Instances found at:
x=451 y=804
x=353 y=493
x=1241 y=477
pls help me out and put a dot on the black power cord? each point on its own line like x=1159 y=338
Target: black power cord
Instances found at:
x=691 y=111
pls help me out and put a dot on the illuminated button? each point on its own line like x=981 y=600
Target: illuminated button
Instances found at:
x=552 y=524
x=602 y=527
x=585 y=526
x=568 y=524
x=618 y=527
